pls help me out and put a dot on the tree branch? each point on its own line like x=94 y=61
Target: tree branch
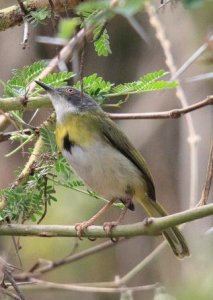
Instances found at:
x=172 y=114
x=193 y=137
x=209 y=177
x=41 y=284
x=12 y=16
x=42 y=266
x=9 y=104
x=153 y=226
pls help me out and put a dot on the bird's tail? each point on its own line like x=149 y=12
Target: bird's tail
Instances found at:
x=173 y=235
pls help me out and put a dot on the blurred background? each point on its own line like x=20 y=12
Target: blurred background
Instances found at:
x=164 y=144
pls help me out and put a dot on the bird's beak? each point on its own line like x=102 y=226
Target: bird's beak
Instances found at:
x=46 y=87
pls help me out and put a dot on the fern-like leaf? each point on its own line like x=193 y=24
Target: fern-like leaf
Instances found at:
x=48 y=138
x=38 y=16
x=101 y=44
x=96 y=87
x=54 y=79
x=16 y=86
x=146 y=83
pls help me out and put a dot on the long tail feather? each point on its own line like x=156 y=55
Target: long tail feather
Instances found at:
x=173 y=235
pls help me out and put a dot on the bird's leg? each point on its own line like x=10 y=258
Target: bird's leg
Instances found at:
x=79 y=227
x=109 y=225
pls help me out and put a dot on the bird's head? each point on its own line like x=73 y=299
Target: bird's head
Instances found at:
x=68 y=100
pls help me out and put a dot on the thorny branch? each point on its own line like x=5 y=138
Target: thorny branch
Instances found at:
x=12 y=16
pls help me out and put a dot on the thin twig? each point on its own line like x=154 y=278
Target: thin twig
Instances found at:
x=164 y=4
x=65 y=53
x=192 y=59
x=9 y=294
x=193 y=138
x=41 y=284
x=42 y=267
x=7 y=270
x=139 y=29
x=200 y=77
x=139 y=267
x=51 y=40
x=208 y=181
x=25 y=173
x=26 y=33
x=172 y=114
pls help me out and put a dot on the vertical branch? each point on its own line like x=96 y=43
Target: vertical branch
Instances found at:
x=193 y=138
x=208 y=181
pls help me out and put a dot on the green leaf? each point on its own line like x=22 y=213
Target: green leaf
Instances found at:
x=16 y=86
x=62 y=166
x=102 y=46
x=146 y=83
x=48 y=138
x=38 y=16
x=54 y=79
x=96 y=87
x=87 y=8
x=67 y=27
x=128 y=8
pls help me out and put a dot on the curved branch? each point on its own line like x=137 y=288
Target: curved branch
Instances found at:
x=152 y=226
x=12 y=16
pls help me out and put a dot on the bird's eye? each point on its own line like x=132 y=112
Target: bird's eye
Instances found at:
x=70 y=91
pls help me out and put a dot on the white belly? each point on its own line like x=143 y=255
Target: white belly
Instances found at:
x=104 y=169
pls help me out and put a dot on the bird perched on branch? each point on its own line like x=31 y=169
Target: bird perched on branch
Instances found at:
x=105 y=160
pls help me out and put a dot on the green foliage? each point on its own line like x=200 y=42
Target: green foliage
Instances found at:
x=38 y=16
x=17 y=85
x=98 y=12
x=92 y=6
x=62 y=167
x=128 y=8
x=145 y=83
x=67 y=27
x=54 y=79
x=48 y=138
x=27 y=202
x=101 y=41
x=96 y=87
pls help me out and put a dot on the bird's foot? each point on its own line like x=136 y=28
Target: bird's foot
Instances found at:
x=109 y=225
x=80 y=227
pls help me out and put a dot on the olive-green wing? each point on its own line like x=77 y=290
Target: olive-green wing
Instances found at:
x=118 y=140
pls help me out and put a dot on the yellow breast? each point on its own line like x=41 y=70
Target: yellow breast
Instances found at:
x=78 y=128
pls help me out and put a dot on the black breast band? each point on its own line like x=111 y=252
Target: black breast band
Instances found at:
x=68 y=144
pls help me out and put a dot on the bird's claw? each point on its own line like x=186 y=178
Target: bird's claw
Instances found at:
x=109 y=225
x=80 y=227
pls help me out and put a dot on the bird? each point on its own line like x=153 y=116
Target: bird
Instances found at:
x=104 y=158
